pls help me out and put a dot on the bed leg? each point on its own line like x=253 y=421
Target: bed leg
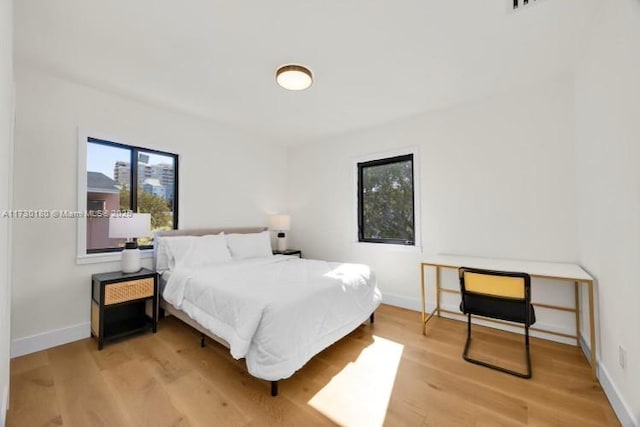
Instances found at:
x=274 y=388
x=372 y=318
x=202 y=340
x=161 y=313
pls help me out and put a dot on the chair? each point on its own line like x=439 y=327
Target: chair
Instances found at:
x=499 y=295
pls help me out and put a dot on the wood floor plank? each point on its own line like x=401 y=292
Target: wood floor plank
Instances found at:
x=143 y=397
x=553 y=395
x=28 y=362
x=111 y=355
x=33 y=399
x=387 y=374
x=540 y=415
x=194 y=395
x=162 y=360
x=401 y=414
x=250 y=393
x=440 y=408
x=465 y=399
x=83 y=395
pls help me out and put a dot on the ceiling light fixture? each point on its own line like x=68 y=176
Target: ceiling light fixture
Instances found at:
x=294 y=77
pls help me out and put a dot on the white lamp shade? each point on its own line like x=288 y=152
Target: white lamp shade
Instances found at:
x=138 y=225
x=279 y=222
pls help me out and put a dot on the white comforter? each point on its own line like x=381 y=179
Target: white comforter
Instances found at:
x=277 y=312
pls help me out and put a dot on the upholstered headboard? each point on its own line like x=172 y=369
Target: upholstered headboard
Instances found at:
x=199 y=232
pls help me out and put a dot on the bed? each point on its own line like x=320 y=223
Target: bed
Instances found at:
x=228 y=285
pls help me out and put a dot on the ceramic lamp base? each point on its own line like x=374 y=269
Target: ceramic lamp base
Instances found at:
x=131 y=260
x=282 y=242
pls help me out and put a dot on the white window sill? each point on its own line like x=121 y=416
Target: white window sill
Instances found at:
x=108 y=257
x=390 y=247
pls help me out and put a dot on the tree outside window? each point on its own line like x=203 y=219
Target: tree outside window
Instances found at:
x=386 y=211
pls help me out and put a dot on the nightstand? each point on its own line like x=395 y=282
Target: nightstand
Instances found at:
x=118 y=304
x=288 y=252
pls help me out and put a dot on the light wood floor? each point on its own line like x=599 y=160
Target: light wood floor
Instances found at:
x=386 y=373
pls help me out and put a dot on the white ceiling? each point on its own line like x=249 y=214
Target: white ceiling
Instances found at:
x=374 y=61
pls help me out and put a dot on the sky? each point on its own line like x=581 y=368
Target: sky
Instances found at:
x=101 y=158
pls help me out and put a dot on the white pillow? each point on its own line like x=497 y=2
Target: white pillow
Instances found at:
x=208 y=250
x=177 y=249
x=162 y=254
x=196 y=252
x=250 y=245
x=162 y=260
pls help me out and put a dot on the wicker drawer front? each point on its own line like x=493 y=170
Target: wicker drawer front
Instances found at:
x=95 y=319
x=128 y=291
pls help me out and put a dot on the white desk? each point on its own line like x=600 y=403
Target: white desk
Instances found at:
x=571 y=273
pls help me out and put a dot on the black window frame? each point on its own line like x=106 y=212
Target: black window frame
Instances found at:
x=133 y=192
x=380 y=162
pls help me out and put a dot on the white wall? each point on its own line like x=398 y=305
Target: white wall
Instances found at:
x=497 y=180
x=608 y=187
x=226 y=179
x=6 y=143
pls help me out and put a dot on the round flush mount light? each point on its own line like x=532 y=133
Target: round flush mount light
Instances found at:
x=294 y=77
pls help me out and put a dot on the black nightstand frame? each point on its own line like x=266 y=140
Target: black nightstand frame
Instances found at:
x=125 y=318
x=288 y=252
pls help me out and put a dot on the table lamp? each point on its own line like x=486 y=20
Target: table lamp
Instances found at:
x=137 y=225
x=280 y=224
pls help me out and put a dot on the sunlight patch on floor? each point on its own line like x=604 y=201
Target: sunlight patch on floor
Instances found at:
x=359 y=394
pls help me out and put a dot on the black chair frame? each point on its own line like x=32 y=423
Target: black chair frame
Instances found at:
x=526 y=316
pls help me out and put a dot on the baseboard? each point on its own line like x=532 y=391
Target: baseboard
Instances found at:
x=401 y=301
x=620 y=407
x=415 y=304
x=4 y=405
x=586 y=348
x=56 y=337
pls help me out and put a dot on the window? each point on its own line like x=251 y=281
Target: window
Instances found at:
x=386 y=204
x=126 y=178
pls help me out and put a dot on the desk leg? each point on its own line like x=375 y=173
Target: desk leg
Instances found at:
x=438 y=289
x=422 y=314
x=592 y=330
x=576 y=293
